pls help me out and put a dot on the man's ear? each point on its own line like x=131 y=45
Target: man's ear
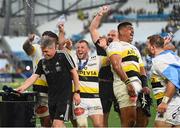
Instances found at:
x=120 y=32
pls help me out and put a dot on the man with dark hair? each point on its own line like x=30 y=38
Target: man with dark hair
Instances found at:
x=165 y=81
x=123 y=24
x=59 y=70
x=129 y=78
x=32 y=48
x=50 y=34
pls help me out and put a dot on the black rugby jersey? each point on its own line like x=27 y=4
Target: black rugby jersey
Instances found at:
x=58 y=76
x=105 y=72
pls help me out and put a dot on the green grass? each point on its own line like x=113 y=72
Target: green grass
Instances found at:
x=17 y=82
x=114 y=120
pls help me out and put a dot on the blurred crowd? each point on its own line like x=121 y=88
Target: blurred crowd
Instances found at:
x=13 y=63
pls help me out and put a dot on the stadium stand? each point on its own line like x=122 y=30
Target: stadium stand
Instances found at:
x=142 y=30
x=14 y=52
x=142 y=13
x=3 y=63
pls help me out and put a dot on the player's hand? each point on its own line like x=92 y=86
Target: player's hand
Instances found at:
x=31 y=37
x=102 y=42
x=104 y=9
x=67 y=44
x=76 y=98
x=146 y=90
x=131 y=92
x=167 y=40
x=162 y=107
x=20 y=89
x=61 y=28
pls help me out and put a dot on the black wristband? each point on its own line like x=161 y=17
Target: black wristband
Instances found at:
x=77 y=91
x=127 y=81
x=144 y=80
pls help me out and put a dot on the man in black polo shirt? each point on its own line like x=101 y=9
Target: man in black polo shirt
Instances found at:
x=32 y=48
x=59 y=69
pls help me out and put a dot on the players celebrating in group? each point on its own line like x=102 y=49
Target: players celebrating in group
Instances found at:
x=81 y=85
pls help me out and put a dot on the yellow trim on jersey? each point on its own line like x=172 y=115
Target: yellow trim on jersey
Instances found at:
x=130 y=67
x=34 y=50
x=131 y=52
x=37 y=62
x=124 y=53
x=85 y=89
x=41 y=82
x=128 y=52
x=141 y=64
x=104 y=61
x=155 y=79
x=93 y=73
x=159 y=95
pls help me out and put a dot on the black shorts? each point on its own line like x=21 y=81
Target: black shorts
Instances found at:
x=59 y=110
x=107 y=96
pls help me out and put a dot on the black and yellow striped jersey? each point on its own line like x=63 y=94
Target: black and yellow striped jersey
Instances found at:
x=88 y=73
x=131 y=60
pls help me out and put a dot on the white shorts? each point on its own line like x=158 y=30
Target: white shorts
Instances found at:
x=121 y=93
x=91 y=106
x=136 y=83
x=41 y=107
x=172 y=114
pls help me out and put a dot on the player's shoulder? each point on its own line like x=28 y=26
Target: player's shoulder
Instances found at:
x=113 y=45
x=62 y=52
x=36 y=50
x=36 y=45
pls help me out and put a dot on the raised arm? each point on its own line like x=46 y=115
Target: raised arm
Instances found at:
x=168 y=42
x=96 y=23
x=64 y=43
x=61 y=35
x=27 y=46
